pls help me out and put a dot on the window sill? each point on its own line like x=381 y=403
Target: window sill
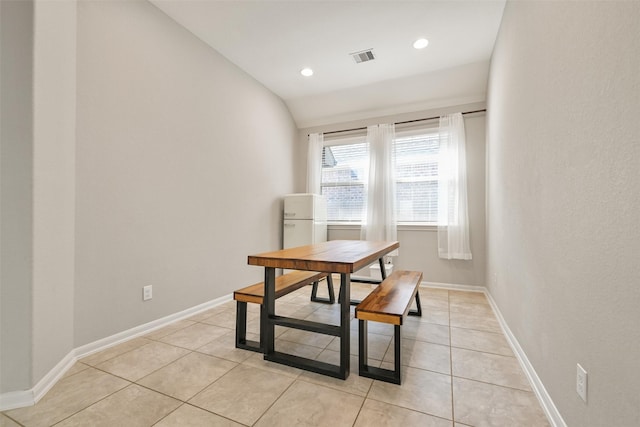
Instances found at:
x=401 y=227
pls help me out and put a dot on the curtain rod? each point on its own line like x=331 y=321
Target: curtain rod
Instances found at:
x=402 y=123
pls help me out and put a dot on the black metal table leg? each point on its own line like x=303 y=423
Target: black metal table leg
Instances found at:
x=345 y=330
x=267 y=327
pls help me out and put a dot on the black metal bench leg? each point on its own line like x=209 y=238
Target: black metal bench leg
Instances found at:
x=396 y=360
x=314 y=292
x=363 y=345
x=241 y=329
x=380 y=374
x=418 y=310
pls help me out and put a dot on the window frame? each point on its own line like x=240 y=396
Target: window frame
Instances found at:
x=360 y=137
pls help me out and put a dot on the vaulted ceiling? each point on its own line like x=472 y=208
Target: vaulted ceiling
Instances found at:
x=273 y=40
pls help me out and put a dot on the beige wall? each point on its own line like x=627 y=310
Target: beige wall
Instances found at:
x=419 y=245
x=182 y=160
x=54 y=129
x=563 y=185
x=16 y=203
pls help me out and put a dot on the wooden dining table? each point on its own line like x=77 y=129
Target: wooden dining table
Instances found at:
x=342 y=257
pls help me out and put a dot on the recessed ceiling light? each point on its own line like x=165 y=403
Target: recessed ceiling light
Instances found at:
x=307 y=72
x=421 y=43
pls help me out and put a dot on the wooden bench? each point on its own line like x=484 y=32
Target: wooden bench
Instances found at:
x=389 y=303
x=285 y=284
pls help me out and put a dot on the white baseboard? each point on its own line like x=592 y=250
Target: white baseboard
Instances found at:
x=137 y=331
x=19 y=399
x=16 y=399
x=453 y=287
x=549 y=408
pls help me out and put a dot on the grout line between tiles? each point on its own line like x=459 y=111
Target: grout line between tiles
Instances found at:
x=411 y=409
x=493 y=384
x=94 y=403
x=274 y=402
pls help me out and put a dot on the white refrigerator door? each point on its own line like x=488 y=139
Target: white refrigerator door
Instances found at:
x=297 y=233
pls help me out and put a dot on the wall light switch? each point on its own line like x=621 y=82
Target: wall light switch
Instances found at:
x=581 y=382
x=147 y=293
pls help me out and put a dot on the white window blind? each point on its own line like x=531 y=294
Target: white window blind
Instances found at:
x=417 y=178
x=343 y=177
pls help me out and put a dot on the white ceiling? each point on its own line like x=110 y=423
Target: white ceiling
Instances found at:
x=273 y=40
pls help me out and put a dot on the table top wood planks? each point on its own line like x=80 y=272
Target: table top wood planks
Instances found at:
x=334 y=256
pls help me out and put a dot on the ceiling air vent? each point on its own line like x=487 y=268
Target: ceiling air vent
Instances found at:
x=363 y=56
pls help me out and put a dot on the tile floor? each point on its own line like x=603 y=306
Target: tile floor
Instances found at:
x=458 y=371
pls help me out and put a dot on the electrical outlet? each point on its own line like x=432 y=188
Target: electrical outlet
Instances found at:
x=581 y=382
x=147 y=293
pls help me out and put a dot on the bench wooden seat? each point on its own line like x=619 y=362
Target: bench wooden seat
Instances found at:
x=285 y=284
x=389 y=303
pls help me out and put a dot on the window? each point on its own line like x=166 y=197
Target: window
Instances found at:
x=417 y=177
x=344 y=168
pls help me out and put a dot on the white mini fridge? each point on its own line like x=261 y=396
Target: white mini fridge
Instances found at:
x=305 y=220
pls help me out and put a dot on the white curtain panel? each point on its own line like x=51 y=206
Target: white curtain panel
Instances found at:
x=380 y=214
x=453 y=218
x=314 y=162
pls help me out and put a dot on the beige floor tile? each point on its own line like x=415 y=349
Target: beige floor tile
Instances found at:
x=212 y=311
x=437 y=304
x=257 y=361
x=490 y=368
x=77 y=367
x=294 y=310
x=195 y=336
x=7 y=422
x=104 y=355
x=434 y=293
x=331 y=317
x=225 y=348
x=422 y=391
x=297 y=349
x=312 y=405
x=190 y=416
x=169 y=329
x=253 y=326
x=187 y=376
x=306 y=338
x=471 y=308
x=479 y=404
x=301 y=299
x=131 y=407
x=488 y=342
x=439 y=317
x=333 y=357
x=423 y=355
x=415 y=328
x=380 y=414
x=354 y=384
x=227 y=319
x=373 y=328
x=377 y=344
x=465 y=296
x=243 y=394
x=360 y=292
x=142 y=361
x=470 y=321
x=69 y=396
